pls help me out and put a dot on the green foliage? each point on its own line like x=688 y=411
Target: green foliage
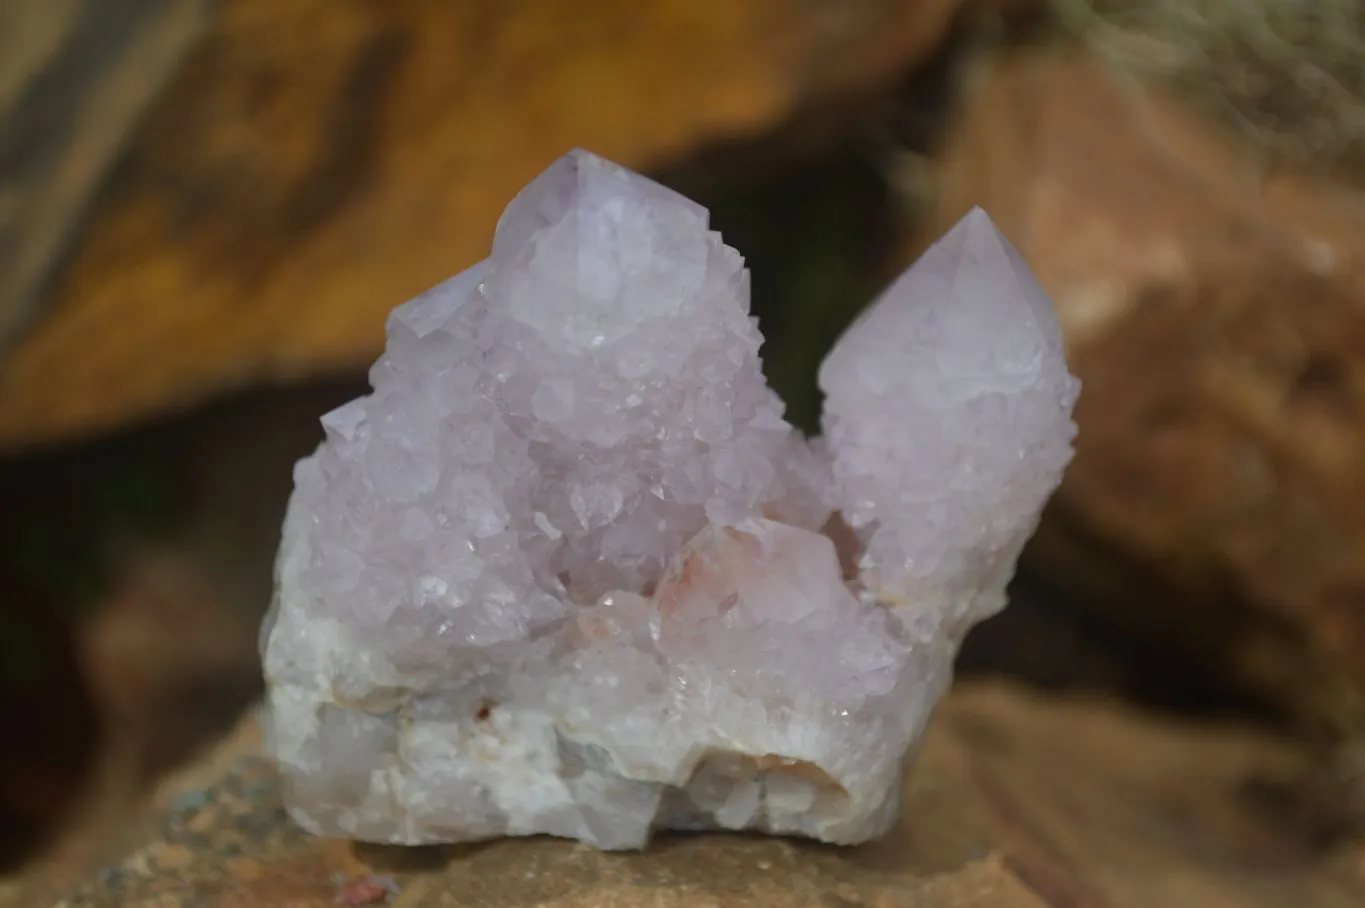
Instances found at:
x=59 y=519
x=22 y=659
x=813 y=243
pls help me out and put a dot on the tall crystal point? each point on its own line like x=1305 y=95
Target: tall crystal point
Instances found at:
x=564 y=570
x=948 y=415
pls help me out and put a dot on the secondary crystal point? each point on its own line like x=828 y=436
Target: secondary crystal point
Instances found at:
x=948 y=416
x=563 y=571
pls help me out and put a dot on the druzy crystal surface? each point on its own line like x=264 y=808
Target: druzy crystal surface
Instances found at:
x=567 y=570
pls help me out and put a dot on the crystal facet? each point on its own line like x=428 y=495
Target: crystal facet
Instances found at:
x=567 y=570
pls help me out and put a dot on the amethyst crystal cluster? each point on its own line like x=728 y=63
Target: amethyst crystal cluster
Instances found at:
x=567 y=570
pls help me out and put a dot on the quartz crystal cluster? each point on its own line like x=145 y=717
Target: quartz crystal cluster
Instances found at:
x=567 y=570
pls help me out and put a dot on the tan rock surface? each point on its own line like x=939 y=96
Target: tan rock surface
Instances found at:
x=74 y=80
x=316 y=162
x=1215 y=309
x=1017 y=801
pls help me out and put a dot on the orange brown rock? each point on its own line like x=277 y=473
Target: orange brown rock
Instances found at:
x=315 y=163
x=1214 y=307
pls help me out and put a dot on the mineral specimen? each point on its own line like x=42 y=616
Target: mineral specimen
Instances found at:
x=568 y=571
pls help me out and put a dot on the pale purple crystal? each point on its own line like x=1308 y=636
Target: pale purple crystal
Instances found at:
x=563 y=570
x=948 y=417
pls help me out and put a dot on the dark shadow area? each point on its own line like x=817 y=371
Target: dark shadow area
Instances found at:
x=1045 y=637
x=134 y=571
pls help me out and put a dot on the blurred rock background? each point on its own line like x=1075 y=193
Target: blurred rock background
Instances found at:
x=207 y=207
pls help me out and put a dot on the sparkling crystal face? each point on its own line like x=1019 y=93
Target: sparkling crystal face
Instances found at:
x=564 y=571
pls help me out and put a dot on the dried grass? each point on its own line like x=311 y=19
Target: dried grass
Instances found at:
x=1288 y=74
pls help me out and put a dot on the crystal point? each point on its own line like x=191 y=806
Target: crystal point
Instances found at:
x=948 y=413
x=567 y=570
